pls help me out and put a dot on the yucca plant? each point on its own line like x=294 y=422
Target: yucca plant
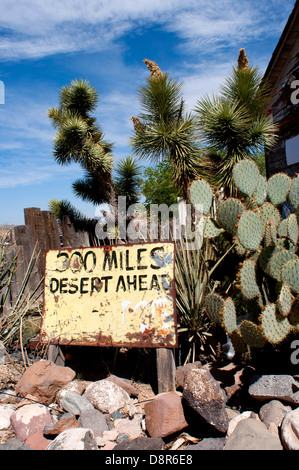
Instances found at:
x=63 y=208
x=193 y=283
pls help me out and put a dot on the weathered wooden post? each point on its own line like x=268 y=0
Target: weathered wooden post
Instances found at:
x=165 y=370
x=45 y=232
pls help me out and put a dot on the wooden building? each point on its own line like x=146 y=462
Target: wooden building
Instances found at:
x=283 y=75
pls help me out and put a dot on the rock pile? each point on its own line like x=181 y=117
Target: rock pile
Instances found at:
x=46 y=408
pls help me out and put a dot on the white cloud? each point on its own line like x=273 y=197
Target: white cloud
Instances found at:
x=36 y=28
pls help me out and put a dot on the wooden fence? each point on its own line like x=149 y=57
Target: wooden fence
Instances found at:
x=41 y=232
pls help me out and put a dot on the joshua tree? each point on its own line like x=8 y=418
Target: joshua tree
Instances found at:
x=79 y=139
x=235 y=125
x=128 y=179
x=164 y=130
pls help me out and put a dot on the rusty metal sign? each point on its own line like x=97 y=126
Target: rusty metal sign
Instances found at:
x=119 y=295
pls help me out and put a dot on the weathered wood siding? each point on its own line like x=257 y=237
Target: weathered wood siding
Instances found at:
x=285 y=112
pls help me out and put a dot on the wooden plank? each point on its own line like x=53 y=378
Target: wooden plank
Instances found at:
x=25 y=240
x=72 y=238
x=165 y=370
x=33 y=218
x=55 y=354
x=51 y=229
x=24 y=237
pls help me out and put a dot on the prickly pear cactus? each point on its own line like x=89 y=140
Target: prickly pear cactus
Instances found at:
x=266 y=240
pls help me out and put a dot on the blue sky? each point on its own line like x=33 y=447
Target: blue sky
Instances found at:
x=44 y=45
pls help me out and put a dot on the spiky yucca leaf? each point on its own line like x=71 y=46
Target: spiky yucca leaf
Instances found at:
x=127 y=180
x=235 y=124
x=164 y=130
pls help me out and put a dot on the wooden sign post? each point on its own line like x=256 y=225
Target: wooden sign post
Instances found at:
x=165 y=370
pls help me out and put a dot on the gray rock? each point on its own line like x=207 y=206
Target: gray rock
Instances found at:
x=141 y=443
x=74 y=439
x=74 y=403
x=95 y=420
x=252 y=434
x=290 y=430
x=14 y=444
x=181 y=371
x=122 y=437
x=116 y=415
x=273 y=412
x=271 y=387
x=210 y=443
x=234 y=422
x=204 y=395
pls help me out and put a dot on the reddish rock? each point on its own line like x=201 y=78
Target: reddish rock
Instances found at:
x=132 y=391
x=30 y=419
x=164 y=415
x=43 y=380
x=37 y=441
x=67 y=421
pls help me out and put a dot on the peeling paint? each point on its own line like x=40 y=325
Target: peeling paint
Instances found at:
x=121 y=295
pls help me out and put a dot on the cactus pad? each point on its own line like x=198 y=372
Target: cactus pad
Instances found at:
x=292 y=228
x=210 y=227
x=285 y=300
x=278 y=188
x=228 y=212
x=201 y=196
x=270 y=234
x=289 y=274
x=275 y=327
x=239 y=248
x=266 y=255
x=266 y=212
x=250 y=230
x=249 y=287
x=229 y=317
x=277 y=261
x=213 y=306
x=282 y=230
x=238 y=343
x=251 y=334
x=245 y=176
x=294 y=193
x=260 y=193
